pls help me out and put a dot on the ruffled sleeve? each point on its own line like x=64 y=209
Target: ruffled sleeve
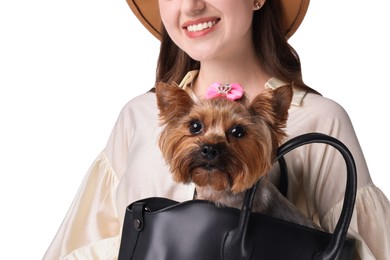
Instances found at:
x=317 y=177
x=129 y=168
x=91 y=225
x=370 y=219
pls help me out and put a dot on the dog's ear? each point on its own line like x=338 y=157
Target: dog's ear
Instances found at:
x=281 y=102
x=272 y=106
x=172 y=101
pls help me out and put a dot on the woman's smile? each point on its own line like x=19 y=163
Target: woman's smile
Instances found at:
x=200 y=26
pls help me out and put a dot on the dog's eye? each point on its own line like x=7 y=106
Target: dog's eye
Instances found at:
x=195 y=127
x=237 y=131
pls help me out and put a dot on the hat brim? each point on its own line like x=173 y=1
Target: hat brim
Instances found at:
x=293 y=12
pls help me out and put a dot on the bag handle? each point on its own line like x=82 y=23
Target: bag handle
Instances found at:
x=238 y=246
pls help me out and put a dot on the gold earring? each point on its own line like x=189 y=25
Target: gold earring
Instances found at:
x=257 y=5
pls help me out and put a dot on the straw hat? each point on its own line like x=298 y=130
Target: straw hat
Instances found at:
x=147 y=12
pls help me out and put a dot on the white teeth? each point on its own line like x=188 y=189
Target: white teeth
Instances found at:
x=201 y=26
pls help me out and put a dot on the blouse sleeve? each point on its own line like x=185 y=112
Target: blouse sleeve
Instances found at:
x=91 y=226
x=370 y=224
x=318 y=178
x=91 y=229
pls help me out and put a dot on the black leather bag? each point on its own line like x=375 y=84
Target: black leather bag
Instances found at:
x=163 y=229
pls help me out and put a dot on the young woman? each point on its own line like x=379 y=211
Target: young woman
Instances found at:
x=207 y=41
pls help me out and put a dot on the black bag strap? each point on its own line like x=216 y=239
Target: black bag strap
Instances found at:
x=283 y=179
x=237 y=244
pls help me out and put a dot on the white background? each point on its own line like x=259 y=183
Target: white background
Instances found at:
x=68 y=67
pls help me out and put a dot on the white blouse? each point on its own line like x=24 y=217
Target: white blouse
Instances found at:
x=131 y=167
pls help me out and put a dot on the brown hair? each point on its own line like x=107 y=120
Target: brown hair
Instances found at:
x=276 y=55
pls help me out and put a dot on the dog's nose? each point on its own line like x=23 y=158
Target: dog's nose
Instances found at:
x=209 y=152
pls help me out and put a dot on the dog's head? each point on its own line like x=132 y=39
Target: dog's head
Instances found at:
x=227 y=145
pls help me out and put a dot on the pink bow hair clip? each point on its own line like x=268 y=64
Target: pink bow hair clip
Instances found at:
x=230 y=91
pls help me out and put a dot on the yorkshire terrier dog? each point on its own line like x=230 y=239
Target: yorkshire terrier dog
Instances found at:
x=226 y=146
